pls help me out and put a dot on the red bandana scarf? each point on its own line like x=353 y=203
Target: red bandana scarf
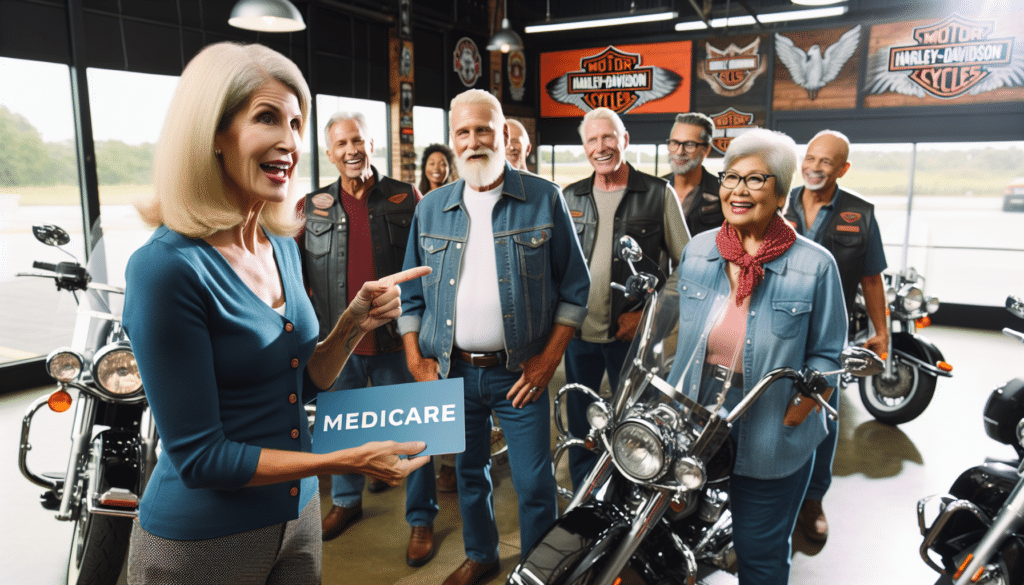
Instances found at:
x=777 y=239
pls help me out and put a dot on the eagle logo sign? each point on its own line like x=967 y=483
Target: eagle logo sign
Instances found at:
x=951 y=58
x=612 y=79
x=813 y=70
x=732 y=71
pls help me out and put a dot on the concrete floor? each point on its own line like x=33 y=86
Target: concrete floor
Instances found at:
x=880 y=473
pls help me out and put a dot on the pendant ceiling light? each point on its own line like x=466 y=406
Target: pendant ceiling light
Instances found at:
x=267 y=16
x=506 y=39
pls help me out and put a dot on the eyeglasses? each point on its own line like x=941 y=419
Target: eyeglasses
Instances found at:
x=688 y=146
x=754 y=181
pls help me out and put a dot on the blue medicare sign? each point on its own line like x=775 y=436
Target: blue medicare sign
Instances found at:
x=431 y=412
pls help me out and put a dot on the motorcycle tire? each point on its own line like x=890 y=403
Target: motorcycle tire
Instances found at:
x=99 y=546
x=898 y=401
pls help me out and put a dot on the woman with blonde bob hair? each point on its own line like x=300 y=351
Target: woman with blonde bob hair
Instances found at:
x=226 y=339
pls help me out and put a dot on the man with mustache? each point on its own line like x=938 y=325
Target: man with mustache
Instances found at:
x=614 y=201
x=519 y=146
x=353 y=235
x=507 y=292
x=846 y=226
x=689 y=144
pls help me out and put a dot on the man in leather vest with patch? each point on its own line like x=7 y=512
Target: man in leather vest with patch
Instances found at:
x=846 y=226
x=615 y=200
x=689 y=144
x=356 y=230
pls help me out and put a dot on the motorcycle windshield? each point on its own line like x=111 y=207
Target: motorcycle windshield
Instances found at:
x=95 y=326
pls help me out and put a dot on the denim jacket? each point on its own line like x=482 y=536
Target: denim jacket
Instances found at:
x=542 y=276
x=797 y=318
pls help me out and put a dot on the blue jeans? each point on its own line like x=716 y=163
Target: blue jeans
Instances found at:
x=420 y=487
x=585 y=363
x=821 y=476
x=528 y=434
x=764 y=515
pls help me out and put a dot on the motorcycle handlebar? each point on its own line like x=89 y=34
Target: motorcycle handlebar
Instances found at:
x=44 y=266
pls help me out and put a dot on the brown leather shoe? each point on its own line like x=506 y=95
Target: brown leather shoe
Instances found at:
x=812 y=521
x=446 y=479
x=471 y=572
x=338 y=519
x=421 y=546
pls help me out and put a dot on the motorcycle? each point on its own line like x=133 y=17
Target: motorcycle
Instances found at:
x=113 y=440
x=654 y=509
x=978 y=531
x=904 y=389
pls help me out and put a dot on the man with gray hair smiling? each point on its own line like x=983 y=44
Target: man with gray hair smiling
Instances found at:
x=350 y=238
x=616 y=200
x=508 y=289
x=689 y=143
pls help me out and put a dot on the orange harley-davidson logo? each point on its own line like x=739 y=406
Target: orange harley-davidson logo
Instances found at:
x=849 y=216
x=728 y=125
x=613 y=79
x=952 y=56
x=732 y=71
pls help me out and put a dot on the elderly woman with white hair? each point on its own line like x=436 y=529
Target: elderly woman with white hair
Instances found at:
x=754 y=296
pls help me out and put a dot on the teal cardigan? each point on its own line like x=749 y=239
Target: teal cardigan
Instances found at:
x=225 y=376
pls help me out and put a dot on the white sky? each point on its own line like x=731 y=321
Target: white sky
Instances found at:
x=130 y=107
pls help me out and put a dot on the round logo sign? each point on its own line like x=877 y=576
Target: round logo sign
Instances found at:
x=467 y=61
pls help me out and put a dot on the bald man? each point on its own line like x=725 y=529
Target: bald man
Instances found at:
x=519 y=146
x=845 y=224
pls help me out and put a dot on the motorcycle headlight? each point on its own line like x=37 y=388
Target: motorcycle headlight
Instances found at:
x=932 y=304
x=689 y=473
x=115 y=371
x=890 y=295
x=598 y=415
x=913 y=299
x=64 y=364
x=639 y=450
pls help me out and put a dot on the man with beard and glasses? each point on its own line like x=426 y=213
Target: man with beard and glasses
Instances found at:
x=689 y=144
x=508 y=289
x=616 y=200
x=846 y=226
x=350 y=238
x=519 y=146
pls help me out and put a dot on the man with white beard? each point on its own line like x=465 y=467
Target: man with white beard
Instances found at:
x=508 y=289
x=689 y=144
x=846 y=226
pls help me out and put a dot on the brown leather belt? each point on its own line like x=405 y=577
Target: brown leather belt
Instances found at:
x=487 y=359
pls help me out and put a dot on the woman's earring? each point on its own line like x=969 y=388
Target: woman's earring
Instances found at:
x=217 y=152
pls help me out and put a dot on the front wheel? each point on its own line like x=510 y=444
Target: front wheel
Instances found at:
x=901 y=399
x=99 y=544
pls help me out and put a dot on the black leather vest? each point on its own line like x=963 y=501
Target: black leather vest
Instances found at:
x=845 y=235
x=390 y=205
x=706 y=213
x=641 y=214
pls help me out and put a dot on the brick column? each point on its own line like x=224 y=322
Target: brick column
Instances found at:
x=403 y=153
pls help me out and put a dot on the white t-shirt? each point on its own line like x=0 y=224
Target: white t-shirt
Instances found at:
x=478 y=320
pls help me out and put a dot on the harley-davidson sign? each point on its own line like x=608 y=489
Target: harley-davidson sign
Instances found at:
x=728 y=125
x=623 y=79
x=732 y=71
x=948 y=59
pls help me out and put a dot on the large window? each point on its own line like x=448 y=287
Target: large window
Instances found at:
x=951 y=227
x=38 y=184
x=376 y=116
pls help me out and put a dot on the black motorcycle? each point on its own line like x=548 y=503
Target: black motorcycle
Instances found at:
x=902 y=391
x=654 y=510
x=113 y=440
x=977 y=535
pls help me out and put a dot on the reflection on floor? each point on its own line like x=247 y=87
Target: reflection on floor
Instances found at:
x=880 y=473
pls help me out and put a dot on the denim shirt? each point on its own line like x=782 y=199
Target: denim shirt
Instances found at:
x=543 y=278
x=797 y=318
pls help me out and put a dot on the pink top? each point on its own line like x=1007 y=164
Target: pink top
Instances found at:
x=725 y=341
